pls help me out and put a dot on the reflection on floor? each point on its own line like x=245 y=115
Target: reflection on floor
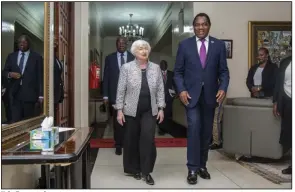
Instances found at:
x=170 y=170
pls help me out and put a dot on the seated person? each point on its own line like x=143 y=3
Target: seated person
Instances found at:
x=262 y=76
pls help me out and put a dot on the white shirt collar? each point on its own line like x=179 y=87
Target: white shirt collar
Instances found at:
x=206 y=38
x=26 y=52
x=119 y=54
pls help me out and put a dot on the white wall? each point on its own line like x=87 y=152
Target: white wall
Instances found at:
x=230 y=21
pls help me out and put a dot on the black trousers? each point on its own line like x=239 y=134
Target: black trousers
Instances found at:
x=118 y=131
x=139 y=143
x=21 y=110
x=164 y=126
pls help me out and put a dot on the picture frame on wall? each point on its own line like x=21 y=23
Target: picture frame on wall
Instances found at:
x=273 y=35
x=228 y=47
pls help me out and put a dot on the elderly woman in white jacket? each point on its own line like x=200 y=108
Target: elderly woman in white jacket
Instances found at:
x=140 y=102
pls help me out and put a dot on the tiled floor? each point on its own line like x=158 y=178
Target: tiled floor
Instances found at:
x=170 y=172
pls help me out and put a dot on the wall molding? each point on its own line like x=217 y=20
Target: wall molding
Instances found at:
x=33 y=25
x=162 y=24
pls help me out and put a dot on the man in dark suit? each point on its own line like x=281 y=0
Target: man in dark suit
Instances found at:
x=200 y=64
x=24 y=72
x=6 y=99
x=58 y=82
x=113 y=63
x=282 y=100
x=169 y=95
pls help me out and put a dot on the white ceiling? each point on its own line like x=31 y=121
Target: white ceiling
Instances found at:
x=111 y=15
x=36 y=9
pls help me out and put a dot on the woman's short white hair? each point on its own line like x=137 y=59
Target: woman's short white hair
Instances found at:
x=139 y=43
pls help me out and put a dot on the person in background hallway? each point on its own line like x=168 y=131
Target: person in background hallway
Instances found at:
x=24 y=71
x=6 y=99
x=113 y=63
x=282 y=105
x=140 y=103
x=216 y=136
x=262 y=76
x=58 y=82
x=169 y=92
x=201 y=78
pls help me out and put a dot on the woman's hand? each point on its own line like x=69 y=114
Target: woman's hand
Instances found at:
x=120 y=117
x=160 y=116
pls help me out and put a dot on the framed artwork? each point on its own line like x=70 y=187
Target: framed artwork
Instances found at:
x=228 y=47
x=275 y=36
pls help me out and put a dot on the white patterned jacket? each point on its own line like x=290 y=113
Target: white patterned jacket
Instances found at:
x=129 y=86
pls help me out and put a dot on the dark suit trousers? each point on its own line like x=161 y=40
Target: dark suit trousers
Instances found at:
x=164 y=126
x=118 y=131
x=199 y=133
x=21 y=110
x=139 y=143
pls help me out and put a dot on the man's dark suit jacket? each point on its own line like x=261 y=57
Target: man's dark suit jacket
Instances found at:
x=32 y=78
x=269 y=74
x=58 y=82
x=190 y=76
x=280 y=80
x=111 y=76
x=168 y=85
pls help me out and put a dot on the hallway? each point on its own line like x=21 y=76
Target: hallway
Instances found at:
x=170 y=172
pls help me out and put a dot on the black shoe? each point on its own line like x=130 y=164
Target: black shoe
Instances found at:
x=137 y=176
x=161 y=132
x=192 y=178
x=148 y=179
x=118 y=151
x=215 y=146
x=203 y=173
x=287 y=171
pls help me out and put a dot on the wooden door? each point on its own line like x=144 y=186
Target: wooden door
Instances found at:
x=62 y=17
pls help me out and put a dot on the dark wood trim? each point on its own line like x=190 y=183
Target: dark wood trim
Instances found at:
x=71 y=65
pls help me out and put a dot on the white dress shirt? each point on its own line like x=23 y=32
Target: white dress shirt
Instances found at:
x=258 y=76
x=288 y=80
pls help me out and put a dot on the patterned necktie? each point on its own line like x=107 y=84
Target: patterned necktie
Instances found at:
x=21 y=62
x=165 y=76
x=122 y=59
x=203 y=53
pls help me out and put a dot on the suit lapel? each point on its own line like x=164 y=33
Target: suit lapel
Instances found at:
x=15 y=61
x=211 y=47
x=116 y=62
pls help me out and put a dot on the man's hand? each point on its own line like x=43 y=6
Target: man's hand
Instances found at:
x=184 y=96
x=275 y=110
x=220 y=96
x=14 y=75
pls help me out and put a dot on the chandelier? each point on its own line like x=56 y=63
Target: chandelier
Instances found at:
x=131 y=31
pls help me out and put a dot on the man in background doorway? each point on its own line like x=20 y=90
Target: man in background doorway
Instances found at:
x=113 y=63
x=169 y=95
x=23 y=69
